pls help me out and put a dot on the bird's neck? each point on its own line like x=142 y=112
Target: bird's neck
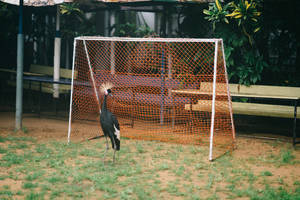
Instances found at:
x=104 y=106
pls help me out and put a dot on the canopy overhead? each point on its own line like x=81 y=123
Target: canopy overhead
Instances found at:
x=36 y=2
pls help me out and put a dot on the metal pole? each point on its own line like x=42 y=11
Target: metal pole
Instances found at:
x=295 y=124
x=20 y=64
x=57 y=47
x=162 y=97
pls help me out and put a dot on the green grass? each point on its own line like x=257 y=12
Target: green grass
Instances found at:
x=143 y=170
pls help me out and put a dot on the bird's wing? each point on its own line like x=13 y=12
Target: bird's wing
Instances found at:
x=116 y=126
x=115 y=122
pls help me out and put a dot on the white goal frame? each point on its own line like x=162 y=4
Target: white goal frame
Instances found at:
x=217 y=42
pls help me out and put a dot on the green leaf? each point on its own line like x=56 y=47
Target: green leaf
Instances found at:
x=207 y=12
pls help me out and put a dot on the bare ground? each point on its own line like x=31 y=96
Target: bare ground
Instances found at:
x=246 y=148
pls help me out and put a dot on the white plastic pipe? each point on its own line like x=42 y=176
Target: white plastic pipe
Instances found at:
x=213 y=104
x=71 y=96
x=92 y=75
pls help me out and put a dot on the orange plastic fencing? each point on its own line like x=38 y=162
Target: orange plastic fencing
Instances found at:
x=163 y=89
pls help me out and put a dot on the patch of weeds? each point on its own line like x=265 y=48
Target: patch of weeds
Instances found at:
x=3 y=177
x=25 y=130
x=211 y=179
x=266 y=173
x=88 y=152
x=225 y=160
x=6 y=187
x=140 y=148
x=34 y=196
x=34 y=175
x=55 y=194
x=6 y=194
x=42 y=148
x=78 y=177
x=195 y=149
x=199 y=166
x=214 y=196
x=287 y=157
x=173 y=156
x=54 y=163
x=2 y=139
x=280 y=181
x=279 y=193
x=141 y=193
x=187 y=176
x=231 y=187
x=127 y=193
x=2 y=150
x=172 y=188
x=158 y=147
x=56 y=179
x=23 y=139
x=188 y=160
x=179 y=171
x=46 y=187
x=11 y=159
x=29 y=185
x=178 y=148
x=297 y=183
x=109 y=191
x=18 y=146
x=163 y=166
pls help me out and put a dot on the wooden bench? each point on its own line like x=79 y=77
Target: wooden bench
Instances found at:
x=247 y=108
x=134 y=90
x=40 y=71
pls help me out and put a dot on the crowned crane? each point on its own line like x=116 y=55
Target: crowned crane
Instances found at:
x=109 y=123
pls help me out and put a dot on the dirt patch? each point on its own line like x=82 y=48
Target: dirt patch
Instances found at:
x=261 y=151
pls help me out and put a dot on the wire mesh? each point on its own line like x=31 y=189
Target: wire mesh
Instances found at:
x=163 y=89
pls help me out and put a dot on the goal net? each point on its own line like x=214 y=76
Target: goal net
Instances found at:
x=165 y=89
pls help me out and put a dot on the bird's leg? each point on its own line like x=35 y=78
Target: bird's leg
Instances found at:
x=105 y=148
x=115 y=146
x=114 y=156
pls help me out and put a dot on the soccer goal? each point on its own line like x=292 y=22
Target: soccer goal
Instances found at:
x=165 y=89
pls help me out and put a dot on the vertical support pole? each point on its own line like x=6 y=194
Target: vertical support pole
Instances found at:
x=20 y=66
x=106 y=22
x=162 y=95
x=40 y=98
x=228 y=94
x=295 y=123
x=92 y=75
x=112 y=57
x=213 y=103
x=72 y=88
x=57 y=48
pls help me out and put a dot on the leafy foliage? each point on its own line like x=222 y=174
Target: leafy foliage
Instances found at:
x=75 y=22
x=237 y=22
x=131 y=30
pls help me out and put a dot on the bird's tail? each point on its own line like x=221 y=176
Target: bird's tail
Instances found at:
x=118 y=144
x=115 y=142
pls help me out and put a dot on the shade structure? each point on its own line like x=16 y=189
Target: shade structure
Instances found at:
x=36 y=3
x=20 y=51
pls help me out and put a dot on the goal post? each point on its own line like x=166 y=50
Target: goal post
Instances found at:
x=165 y=89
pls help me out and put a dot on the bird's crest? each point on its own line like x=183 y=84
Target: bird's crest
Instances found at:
x=105 y=86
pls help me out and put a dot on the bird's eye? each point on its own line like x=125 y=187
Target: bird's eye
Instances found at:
x=109 y=91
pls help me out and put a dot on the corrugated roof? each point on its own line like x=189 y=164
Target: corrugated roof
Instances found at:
x=54 y=2
x=36 y=2
x=134 y=1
